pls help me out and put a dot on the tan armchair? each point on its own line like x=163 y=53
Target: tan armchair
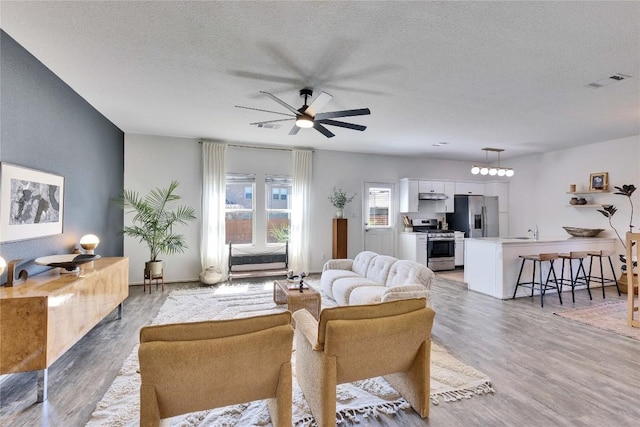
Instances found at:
x=190 y=367
x=355 y=342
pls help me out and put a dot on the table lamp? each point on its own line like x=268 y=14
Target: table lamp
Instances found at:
x=89 y=242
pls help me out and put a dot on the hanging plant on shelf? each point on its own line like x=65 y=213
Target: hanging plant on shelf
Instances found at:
x=339 y=199
x=609 y=211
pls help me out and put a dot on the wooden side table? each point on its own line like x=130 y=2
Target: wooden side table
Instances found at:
x=147 y=276
x=308 y=299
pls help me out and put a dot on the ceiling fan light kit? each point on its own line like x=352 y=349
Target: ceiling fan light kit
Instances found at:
x=308 y=116
x=486 y=169
x=304 y=122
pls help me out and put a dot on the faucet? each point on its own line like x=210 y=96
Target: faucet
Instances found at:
x=534 y=231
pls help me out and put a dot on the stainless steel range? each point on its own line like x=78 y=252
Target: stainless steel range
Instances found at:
x=440 y=244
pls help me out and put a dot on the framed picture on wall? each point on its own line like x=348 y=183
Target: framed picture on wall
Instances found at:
x=31 y=203
x=598 y=181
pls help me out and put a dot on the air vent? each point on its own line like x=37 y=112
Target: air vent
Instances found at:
x=607 y=81
x=267 y=125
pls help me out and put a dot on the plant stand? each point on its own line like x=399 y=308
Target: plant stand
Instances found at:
x=148 y=276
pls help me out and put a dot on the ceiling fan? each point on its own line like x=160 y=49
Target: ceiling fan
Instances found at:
x=308 y=116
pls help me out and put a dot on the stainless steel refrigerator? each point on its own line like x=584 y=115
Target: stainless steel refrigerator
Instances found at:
x=477 y=216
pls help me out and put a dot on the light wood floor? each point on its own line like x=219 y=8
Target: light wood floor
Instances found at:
x=546 y=370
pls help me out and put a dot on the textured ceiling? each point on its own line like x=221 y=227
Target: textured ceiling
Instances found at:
x=509 y=75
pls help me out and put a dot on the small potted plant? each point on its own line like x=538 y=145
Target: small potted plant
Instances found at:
x=339 y=199
x=155 y=216
x=609 y=211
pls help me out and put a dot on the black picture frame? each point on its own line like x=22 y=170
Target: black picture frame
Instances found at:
x=32 y=203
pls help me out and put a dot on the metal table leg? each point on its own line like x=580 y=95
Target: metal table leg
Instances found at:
x=43 y=376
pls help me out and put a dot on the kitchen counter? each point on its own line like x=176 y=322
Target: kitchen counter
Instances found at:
x=546 y=239
x=491 y=264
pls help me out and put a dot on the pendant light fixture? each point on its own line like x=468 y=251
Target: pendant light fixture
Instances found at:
x=487 y=169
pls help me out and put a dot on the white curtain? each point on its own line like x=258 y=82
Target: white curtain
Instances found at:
x=212 y=246
x=300 y=211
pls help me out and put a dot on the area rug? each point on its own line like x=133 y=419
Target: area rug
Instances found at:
x=451 y=380
x=610 y=316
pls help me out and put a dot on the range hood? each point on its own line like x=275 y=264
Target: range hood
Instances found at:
x=432 y=196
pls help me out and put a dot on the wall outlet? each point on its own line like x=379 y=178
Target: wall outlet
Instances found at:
x=323 y=257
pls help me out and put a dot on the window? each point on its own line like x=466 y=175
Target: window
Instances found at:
x=378 y=202
x=278 y=209
x=240 y=209
x=279 y=193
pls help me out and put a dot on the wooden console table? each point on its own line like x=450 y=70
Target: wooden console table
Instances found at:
x=45 y=316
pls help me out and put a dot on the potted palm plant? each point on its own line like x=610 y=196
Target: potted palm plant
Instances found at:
x=153 y=221
x=609 y=211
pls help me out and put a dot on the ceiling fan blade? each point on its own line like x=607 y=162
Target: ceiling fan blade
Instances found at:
x=343 y=113
x=317 y=104
x=281 y=102
x=271 y=121
x=293 y=81
x=265 y=111
x=323 y=130
x=294 y=130
x=341 y=124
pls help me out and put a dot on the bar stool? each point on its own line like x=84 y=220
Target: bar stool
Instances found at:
x=601 y=254
x=538 y=259
x=573 y=281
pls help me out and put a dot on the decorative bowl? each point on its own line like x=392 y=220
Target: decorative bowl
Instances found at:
x=583 y=232
x=69 y=262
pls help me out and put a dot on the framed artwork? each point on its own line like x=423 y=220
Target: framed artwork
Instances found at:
x=598 y=181
x=31 y=203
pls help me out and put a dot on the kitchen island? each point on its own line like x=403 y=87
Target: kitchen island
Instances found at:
x=491 y=264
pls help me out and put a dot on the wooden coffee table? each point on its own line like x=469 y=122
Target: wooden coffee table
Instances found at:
x=308 y=299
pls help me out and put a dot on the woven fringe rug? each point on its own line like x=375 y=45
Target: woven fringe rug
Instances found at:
x=610 y=316
x=451 y=380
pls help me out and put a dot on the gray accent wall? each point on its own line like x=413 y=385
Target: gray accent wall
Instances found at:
x=46 y=125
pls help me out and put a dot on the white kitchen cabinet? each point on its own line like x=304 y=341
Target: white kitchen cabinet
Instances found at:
x=500 y=189
x=448 y=203
x=475 y=188
x=413 y=246
x=431 y=187
x=408 y=195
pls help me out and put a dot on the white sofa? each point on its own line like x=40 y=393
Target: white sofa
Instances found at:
x=370 y=278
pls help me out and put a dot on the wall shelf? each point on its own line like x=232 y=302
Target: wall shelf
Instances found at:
x=588 y=192
x=591 y=203
x=588 y=206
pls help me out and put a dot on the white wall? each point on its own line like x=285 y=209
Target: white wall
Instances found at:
x=154 y=161
x=537 y=193
x=350 y=171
